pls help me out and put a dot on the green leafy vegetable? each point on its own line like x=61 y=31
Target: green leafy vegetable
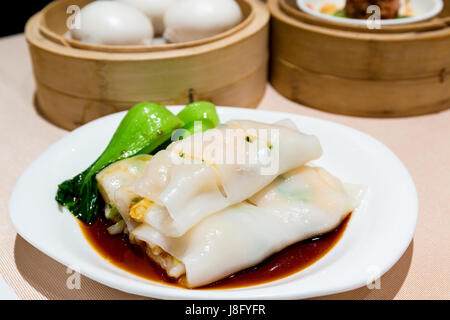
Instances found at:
x=198 y=111
x=195 y=127
x=340 y=13
x=198 y=117
x=117 y=228
x=145 y=127
x=136 y=200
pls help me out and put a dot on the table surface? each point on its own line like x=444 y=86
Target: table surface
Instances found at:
x=422 y=143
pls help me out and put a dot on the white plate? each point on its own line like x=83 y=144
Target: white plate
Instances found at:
x=377 y=235
x=422 y=10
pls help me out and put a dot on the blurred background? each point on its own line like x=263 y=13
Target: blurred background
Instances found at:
x=17 y=14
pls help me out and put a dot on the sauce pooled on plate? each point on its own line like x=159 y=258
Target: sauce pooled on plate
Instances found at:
x=132 y=258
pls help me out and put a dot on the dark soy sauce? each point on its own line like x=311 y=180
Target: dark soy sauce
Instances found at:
x=132 y=258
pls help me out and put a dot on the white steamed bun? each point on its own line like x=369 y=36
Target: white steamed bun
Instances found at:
x=113 y=23
x=154 y=10
x=189 y=20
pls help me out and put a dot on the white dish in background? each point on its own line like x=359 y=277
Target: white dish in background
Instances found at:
x=422 y=10
x=376 y=237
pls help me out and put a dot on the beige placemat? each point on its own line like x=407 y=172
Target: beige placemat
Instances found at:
x=422 y=143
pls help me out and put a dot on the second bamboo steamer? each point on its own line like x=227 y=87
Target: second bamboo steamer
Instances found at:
x=360 y=73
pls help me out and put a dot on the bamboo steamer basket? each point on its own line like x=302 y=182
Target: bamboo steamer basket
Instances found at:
x=78 y=82
x=400 y=71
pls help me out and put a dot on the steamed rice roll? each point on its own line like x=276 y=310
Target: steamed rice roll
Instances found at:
x=299 y=205
x=182 y=185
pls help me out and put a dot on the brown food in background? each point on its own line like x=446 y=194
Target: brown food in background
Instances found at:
x=358 y=8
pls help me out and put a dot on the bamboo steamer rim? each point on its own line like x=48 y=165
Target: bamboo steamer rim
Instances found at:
x=434 y=23
x=49 y=33
x=277 y=13
x=257 y=18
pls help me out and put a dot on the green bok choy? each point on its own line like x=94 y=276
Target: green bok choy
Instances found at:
x=146 y=128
